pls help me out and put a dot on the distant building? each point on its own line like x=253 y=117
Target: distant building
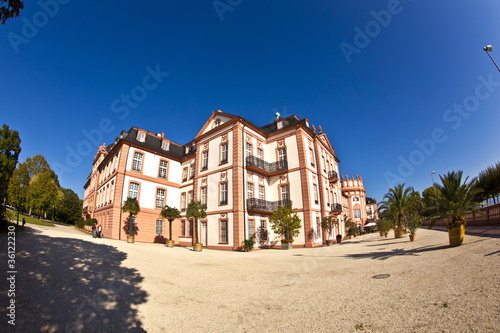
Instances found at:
x=239 y=171
x=371 y=210
x=354 y=191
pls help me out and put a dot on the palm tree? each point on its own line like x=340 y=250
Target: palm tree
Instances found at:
x=170 y=213
x=398 y=202
x=131 y=206
x=197 y=211
x=489 y=181
x=456 y=198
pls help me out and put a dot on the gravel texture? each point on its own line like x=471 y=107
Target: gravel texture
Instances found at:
x=69 y=282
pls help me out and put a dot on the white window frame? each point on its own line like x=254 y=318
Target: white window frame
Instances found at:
x=160 y=198
x=137 y=161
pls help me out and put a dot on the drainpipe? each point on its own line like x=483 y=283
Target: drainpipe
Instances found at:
x=244 y=181
x=121 y=198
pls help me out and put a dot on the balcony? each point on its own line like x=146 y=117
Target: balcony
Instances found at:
x=336 y=208
x=267 y=169
x=260 y=206
x=333 y=176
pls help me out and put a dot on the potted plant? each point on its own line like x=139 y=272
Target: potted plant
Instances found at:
x=170 y=213
x=413 y=222
x=328 y=223
x=350 y=226
x=197 y=211
x=249 y=243
x=339 y=238
x=385 y=225
x=398 y=202
x=454 y=200
x=131 y=206
x=285 y=222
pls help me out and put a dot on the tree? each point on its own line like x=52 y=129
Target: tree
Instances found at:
x=197 y=211
x=132 y=207
x=430 y=197
x=11 y=9
x=328 y=223
x=285 y=222
x=170 y=213
x=69 y=207
x=43 y=192
x=348 y=223
x=456 y=198
x=489 y=181
x=38 y=164
x=19 y=175
x=398 y=202
x=10 y=148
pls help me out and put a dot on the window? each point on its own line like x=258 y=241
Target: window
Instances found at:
x=204 y=163
x=223 y=231
x=311 y=156
x=165 y=145
x=324 y=163
x=261 y=192
x=192 y=172
x=133 y=190
x=183 y=228
x=183 y=202
x=223 y=153
x=162 y=171
x=284 y=193
x=190 y=231
x=184 y=174
x=263 y=230
x=251 y=230
x=357 y=214
x=249 y=149
x=217 y=123
x=191 y=196
x=141 y=137
x=282 y=154
x=137 y=163
x=204 y=196
x=250 y=190
x=279 y=124
x=223 y=193
x=260 y=153
x=159 y=227
x=160 y=198
x=315 y=190
x=318 y=228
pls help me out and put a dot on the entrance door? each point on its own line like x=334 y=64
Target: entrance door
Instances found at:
x=204 y=233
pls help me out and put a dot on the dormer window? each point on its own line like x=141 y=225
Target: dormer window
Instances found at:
x=141 y=136
x=165 y=145
x=217 y=123
x=279 y=124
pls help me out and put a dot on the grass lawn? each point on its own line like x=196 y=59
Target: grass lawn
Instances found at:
x=13 y=215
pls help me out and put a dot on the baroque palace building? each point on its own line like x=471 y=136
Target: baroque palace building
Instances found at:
x=239 y=171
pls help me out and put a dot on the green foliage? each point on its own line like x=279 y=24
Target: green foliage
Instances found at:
x=285 y=222
x=132 y=207
x=412 y=222
x=10 y=9
x=430 y=196
x=90 y=221
x=349 y=224
x=351 y=231
x=385 y=225
x=42 y=192
x=197 y=211
x=80 y=223
x=10 y=148
x=397 y=202
x=249 y=243
x=69 y=207
x=489 y=181
x=456 y=199
x=328 y=223
x=170 y=213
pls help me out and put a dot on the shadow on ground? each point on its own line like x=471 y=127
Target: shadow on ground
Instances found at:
x=71 y=285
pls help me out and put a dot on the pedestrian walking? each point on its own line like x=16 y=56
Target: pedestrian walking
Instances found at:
x=93 y=230
x=99 y=230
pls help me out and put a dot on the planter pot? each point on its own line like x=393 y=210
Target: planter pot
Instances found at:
x=130 y=239
x=329 y=242
x=412 y=237
x=339 y=240
x=350 y=236
x=169 y=243
x=198 y=247
x=381 y=233
x=286 y=245
x=399 y=233
x=386 y=234
x=456 y=235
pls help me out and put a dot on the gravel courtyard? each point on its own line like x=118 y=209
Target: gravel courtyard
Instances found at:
x=67 y=281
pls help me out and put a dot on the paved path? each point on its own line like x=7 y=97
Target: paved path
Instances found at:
x=67 y=281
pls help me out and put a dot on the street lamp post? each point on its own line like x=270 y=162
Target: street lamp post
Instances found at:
x=488 y=49
x=435 y=192
x=21 y=184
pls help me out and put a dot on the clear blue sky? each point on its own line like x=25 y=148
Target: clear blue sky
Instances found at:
x=374 y=93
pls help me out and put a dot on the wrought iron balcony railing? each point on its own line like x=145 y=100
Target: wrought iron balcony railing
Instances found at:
x=267 y=167
x=336 y=208
x=333 y=175
x=264 y=205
